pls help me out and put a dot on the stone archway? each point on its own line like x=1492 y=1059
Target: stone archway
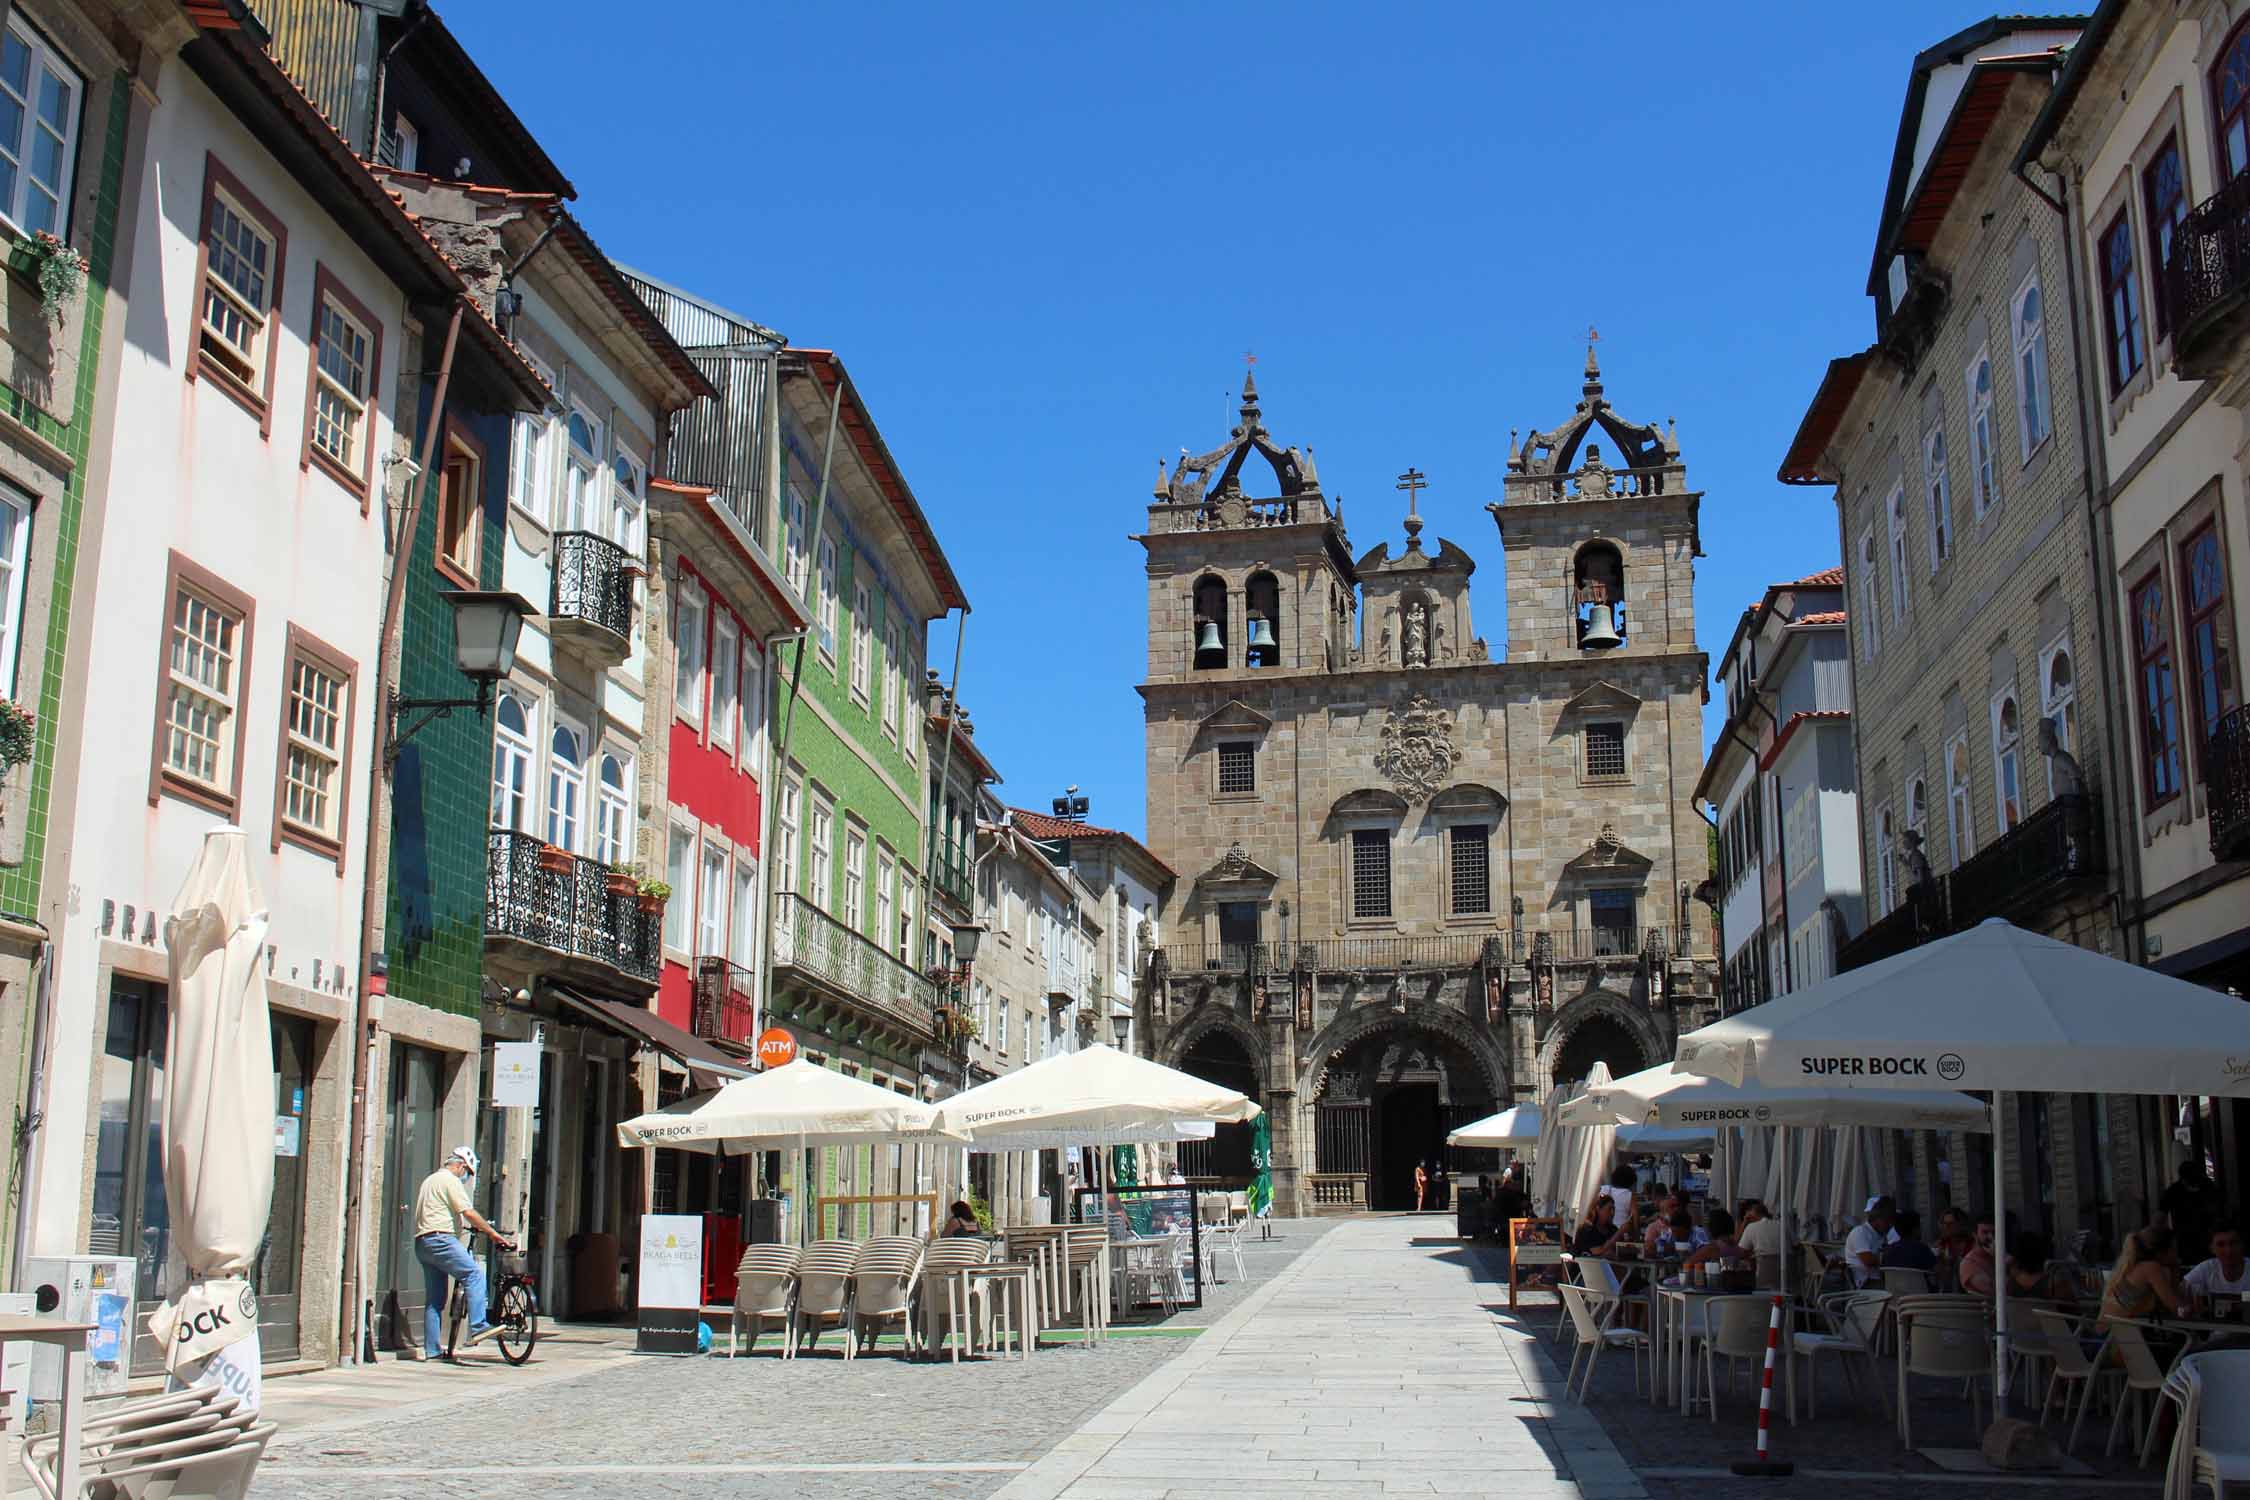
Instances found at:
x=1197 y=1032
x=1600 y=1025
x=1387 y=1087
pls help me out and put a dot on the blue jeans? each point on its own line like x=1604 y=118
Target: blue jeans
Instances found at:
x=443 y=1257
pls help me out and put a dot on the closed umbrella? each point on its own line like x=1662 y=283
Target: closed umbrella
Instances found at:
x=1754 y=1150
x=1992 y=1008
x=1261 y=1166
x=1547 y=1158
x=218 y=1119
x=1586 y=1153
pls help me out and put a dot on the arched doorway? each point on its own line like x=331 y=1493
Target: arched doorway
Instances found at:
x=1386 y=1102
x=1601 y=1039
x=1219 y=1056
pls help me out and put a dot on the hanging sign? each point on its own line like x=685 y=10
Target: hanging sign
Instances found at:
x=669 y=1283
x=776 y=1047
x=515 y=1073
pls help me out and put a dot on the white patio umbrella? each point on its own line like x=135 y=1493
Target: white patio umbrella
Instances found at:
x=1510 y=1130
x=1754 y=1154
x=1992 y=1008
x=1661 y=1140
x=1584 y=1153
x=1096 y=1096
x=218 y=1119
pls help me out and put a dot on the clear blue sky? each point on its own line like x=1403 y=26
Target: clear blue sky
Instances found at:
x=1043 y=237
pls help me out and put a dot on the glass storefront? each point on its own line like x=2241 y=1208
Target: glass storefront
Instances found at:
x=411 y=1151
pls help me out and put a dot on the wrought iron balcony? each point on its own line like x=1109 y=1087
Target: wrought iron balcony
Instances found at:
x=558 y=910
x=590 y=606
x=2226 y=785
x=1923 y=915
x=812 y=946
x=949 y=875
x=726 y=1002
x=2205 y=279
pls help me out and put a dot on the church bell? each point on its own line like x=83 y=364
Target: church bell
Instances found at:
x=1600 y=632
x=1210 y=651
x=1261 y=633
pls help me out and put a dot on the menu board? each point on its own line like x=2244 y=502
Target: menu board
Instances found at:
x=1535 y=1251
x=1147 y=1213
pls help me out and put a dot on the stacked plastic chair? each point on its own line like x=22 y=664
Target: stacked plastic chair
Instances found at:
x=824 y=1294
x=883 y=1280
x=765 y=1288
x=198 y=1444
x=937 y=1321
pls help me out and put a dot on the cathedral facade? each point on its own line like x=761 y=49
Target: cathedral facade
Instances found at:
x=1422 y=876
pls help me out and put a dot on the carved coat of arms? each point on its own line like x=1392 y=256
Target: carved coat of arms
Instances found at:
x=1417 y=752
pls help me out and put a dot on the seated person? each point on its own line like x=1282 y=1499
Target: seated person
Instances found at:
x=2029 y=1275
x=1908 y=1250
x=2145 y=1280
x=960 y=1223
x=2226 y=1272
x=1598 y=1234
x=1656 y=1235
x=1760 y=1233
x=1719 y=1246
x=1977 y=1271
x=1620 y=1192
x=1864 y=1246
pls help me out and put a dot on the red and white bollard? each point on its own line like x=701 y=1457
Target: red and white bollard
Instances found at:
x=1764 y=1466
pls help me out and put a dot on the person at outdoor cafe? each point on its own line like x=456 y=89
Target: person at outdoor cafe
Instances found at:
x=1954 y=1242
x=2145 y=1281
x=1863 y=1247
x=1598 y=1234
x=1657 y=1237
x=1620 y=1193
x=1978 y=1270
x=2226 y=1273
x=2029 y=1274
x=1906 y=1248
x=960 y=1223
x=1719 y=1247
x=1760 y=1233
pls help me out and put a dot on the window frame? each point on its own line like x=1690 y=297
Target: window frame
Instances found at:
x=1587 y=774
x=608 y=806
x=712 y=863
x=181 y=573
x=330 y=288
x=742 y=937
x=1353 y=844
x=465 y=571
x=820 y=846
x=521 y=747
x=1871 y=594
x=1960 y=801
x=856 y=843
x=43 y=50
x=2188 y=668
x=2052 y=703
x=1902 y=589
x=15 y=591
x=863 y=648
x=1937 y=490
x=591 y=498
x=726 y=640
x=1984 y=461
x=830 y=584
x=688 y=596
x=2161 y=219
x=1247 y=750
x=254 y=397
x=2123 y=350
x=2035 y=396
x=2145 y=659
x=301 y=645
x=531 y=438
x=580 y=822
x=2007 y=762
x=680 y=834
x=790 y=824
x=1455 y=833
x=1886 y=861
x=750 y=709
x=2237 y=40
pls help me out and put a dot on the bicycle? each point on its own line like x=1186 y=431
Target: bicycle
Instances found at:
x=512 y=1304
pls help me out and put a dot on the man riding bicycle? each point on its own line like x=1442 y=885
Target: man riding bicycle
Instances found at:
x=439 y=1211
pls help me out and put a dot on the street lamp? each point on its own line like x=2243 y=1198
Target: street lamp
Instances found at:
x=1121 y=1026
x=967 y=936
x=486 y=627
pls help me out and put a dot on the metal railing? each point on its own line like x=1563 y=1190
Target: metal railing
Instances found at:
x=593 y=583
x=811 y=943
x=726 y=1007
x=1578 y=944
x=951 y=877
x=568 y=910
x=2209 y=267
x=2226 y=784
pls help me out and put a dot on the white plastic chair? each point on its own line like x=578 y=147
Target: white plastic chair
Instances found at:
x=824 y=1284
x=934 y=1296
x=1854 y=1319
x=2212 y=1444
x=1222 y=1234
x=1949 y=1337
x=765 y=1287
x=2144 y=1383
x=1734 y=1329
x=1593 y=1339
x=2072 y=1367
x=883 y=1278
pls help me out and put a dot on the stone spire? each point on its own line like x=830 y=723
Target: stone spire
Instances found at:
x=1593 y=385
x=1251 y=417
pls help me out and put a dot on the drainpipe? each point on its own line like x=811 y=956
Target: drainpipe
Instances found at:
x=378 y=822
x=23 y=1183
x=945 y=772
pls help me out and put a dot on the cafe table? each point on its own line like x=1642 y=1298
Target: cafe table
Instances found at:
x=71 y=1338
x=1018 y=1316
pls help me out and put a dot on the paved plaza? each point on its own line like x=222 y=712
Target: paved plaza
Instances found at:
x=1358 y=1357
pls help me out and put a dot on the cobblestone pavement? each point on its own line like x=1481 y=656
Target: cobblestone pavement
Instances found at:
x=597 y=1420
x=1851 y=1450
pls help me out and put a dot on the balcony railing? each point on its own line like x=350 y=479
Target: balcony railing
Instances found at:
x=950 y=875
x=726 y=1005
x=569 y=910
x=2029 y=868
x=2206 y=275
x=810 y=943
x=593 y=589
x=2226 y=785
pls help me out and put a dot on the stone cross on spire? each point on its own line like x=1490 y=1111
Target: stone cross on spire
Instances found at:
x=1413 y=481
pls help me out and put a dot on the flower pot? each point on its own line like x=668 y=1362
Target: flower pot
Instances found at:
x=623 y=885
x=652 y=904
x=555 y=861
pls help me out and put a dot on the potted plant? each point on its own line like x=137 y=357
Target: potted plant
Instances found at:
x=624 y=880
x=554 y=859
x=19 y=737
x=654 y=893
x=58 y=270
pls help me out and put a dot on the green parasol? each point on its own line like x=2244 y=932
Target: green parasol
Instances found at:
x=1125 y=1166
x=1261 y=1166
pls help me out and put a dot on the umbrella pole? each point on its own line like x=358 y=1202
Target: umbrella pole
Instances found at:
x=1999 y=1253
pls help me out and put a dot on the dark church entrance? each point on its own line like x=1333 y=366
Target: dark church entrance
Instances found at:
x=1410 y=1126
x=1385 y=1105
x=1599 y=1039
x=1217 y=1057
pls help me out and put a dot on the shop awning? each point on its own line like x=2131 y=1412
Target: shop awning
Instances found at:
x=707 y=1066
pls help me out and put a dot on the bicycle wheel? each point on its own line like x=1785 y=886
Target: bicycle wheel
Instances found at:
x=518 y=1317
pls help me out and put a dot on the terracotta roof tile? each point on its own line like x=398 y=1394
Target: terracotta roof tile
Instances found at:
x=1041 y=826
x=1821 y=617
x=1825 y=578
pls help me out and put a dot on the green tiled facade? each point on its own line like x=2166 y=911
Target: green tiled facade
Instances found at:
x=19 y=885
x=442 y=786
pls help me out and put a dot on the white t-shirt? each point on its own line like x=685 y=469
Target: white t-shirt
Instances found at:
x=2209 y=1277
x=1622 y=1197
x=1761 y=1238
x=1864 y=1239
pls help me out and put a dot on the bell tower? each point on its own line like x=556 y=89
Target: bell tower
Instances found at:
x=1600 y=549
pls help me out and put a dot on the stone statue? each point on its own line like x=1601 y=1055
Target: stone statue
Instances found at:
x=1417 y=635
x=1383 y=650
x=1917 y=863
x=2069 y=778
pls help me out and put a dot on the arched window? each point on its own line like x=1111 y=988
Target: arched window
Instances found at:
x=511 y=764
x=1262 y=627
x=1960 y=810
x=1598 y=578
x=1209 y=644
x=613 y=829
x=1886 y=861
x=2007 y=761
x=2230 y=100
x=1918 y=809
x=1982 y=474
x=2058 y=704
x=580 y=480
x=566 y=787
x=625 y=502
x=1940 y=490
